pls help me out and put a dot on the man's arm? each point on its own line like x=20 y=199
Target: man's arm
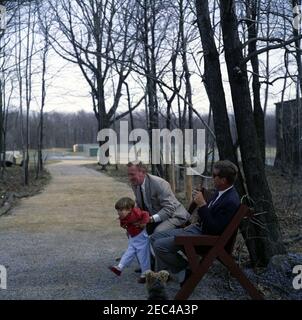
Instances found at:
x=166 y=200
x=215 y=220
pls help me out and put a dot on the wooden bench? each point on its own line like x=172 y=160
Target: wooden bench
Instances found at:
x=211 y=248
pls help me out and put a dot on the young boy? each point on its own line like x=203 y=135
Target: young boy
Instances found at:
x=134 y=220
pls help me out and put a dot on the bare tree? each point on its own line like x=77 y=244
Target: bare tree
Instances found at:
x=268 y=234
x=252 y=18
x=96 y=35
x=44 y=25
x=213 y=83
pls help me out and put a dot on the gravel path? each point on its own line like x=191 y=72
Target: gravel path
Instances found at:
x=58 y=244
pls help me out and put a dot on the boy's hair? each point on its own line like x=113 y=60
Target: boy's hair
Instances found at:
x=124 y=203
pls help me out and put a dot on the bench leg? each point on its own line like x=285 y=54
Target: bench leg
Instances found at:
x=242 y=278
x=190 y=284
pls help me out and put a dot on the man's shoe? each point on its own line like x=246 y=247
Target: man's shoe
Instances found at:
x=152 y=263
x=187 y=275
x=115 y=270
x=141 y=280
x=138 y=270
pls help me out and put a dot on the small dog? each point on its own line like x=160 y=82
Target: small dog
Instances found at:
x=156 y=284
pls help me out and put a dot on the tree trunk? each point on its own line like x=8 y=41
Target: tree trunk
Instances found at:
x=251 y=13
x=149 y=26
x=296 y=113
x=2 y=150
x=28 y=86
x=280 y=146
x=183 y=39
x=43 y=97
x=214 y=88
x=264 y=238
x=267 y=62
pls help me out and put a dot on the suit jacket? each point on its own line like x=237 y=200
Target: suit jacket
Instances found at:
x=216 y=217
x=161 y=199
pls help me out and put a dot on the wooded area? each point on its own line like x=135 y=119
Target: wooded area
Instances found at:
x=155 y=56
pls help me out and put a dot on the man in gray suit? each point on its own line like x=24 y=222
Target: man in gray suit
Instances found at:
x=154 y=195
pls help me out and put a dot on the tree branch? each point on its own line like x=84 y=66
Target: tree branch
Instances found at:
x=272 y=47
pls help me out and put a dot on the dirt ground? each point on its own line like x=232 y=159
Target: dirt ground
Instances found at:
x=76 y=199
x=59 y=243
x=44 y=239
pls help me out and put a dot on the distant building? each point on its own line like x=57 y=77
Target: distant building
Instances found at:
x=77 y=148
x=90 y=150
x=12 y=157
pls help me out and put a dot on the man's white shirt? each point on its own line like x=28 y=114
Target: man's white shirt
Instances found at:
x=220 y=193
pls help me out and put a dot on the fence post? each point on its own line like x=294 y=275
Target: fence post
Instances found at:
x=172 y=176
x=188 y=185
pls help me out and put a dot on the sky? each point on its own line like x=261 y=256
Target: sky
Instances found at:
x=68 y=91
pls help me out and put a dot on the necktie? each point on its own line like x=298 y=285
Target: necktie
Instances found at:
x=142 y=197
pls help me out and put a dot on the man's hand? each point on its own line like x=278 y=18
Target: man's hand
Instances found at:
x=142 y=225
x=151 y=220
x=199 y=199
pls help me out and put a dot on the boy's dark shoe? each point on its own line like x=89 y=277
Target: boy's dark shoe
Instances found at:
x=141 y=280
x=115 y=270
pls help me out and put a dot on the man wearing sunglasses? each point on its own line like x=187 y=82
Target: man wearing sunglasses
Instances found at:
x=214 y=216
